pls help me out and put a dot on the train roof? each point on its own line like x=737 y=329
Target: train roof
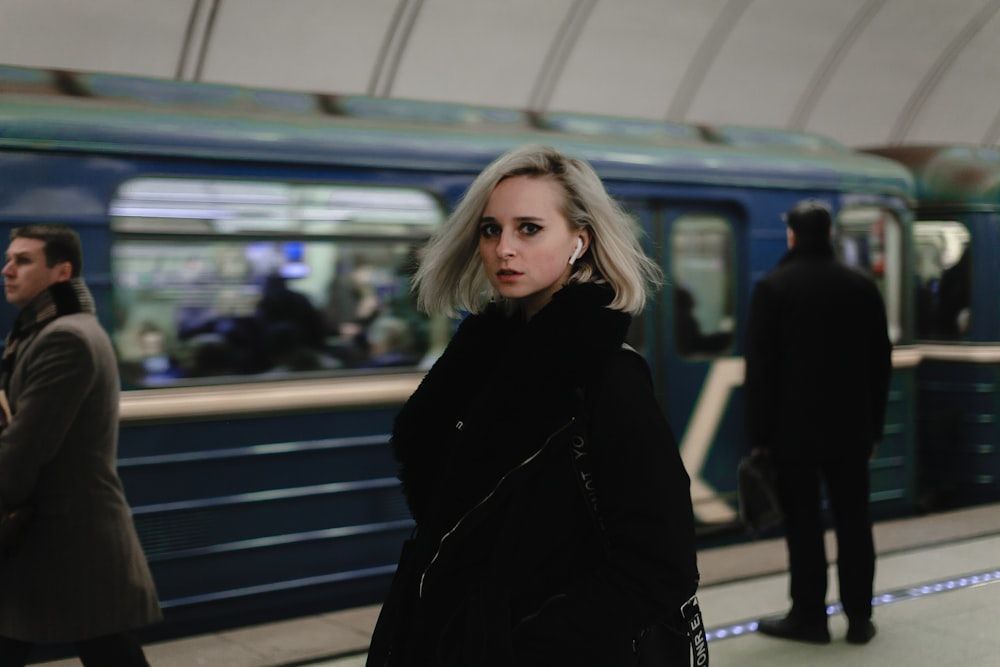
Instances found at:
x=106 y=113
x=950 y=175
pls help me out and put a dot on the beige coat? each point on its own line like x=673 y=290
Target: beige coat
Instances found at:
x=80 y=571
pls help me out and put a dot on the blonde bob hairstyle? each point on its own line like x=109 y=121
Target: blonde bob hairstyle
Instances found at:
x=451 y=276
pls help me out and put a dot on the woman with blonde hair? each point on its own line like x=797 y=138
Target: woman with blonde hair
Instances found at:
x=554 y=521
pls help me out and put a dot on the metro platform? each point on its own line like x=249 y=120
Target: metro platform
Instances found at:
x=937 y=587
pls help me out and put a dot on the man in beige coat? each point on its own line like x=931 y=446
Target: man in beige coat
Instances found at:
x=77 y=573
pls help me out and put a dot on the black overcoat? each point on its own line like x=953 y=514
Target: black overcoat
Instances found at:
x=80 y=572
x=818 y=359
x=511 y=567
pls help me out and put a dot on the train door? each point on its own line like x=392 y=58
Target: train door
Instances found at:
x=699 y=371
x=943 y=268
x=956 y=328
x=871 y=239
x=687 y=334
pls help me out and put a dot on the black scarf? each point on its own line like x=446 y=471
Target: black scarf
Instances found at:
x=507 y=381
x=62 y=298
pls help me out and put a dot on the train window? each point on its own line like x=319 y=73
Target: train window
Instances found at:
x=944 y=279
x=215 y=279
x=703 y=285
x=869 y=239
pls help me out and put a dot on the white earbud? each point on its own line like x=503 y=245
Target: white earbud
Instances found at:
x=576 y=253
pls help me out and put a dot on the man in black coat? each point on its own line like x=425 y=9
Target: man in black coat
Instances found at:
x=818 y=361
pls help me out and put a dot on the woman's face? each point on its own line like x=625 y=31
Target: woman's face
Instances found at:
x=525 y=242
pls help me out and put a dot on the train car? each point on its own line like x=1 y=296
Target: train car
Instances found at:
x=250 y=253
x=957 y=255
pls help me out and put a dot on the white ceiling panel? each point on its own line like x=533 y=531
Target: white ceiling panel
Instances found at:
x=859 y=71
x=485 y=51
x=314 y=45
x=762 y=69
x=884 y=67
x=632 y=55
x=121 y=36
x=965 y=106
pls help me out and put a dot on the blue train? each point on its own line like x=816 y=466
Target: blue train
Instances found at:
x=956 y=243
x=250 y=253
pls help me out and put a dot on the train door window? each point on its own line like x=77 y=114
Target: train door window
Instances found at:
x=944 y=279
x=703 y=284
x=869 y=239
x=216 y=278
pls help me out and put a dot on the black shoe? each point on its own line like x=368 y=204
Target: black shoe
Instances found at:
x=790 y=628
x=860 y=632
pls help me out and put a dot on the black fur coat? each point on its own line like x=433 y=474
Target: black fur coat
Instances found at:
x=509 y=565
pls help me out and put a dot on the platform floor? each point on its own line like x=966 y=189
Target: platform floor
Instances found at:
x=938 y=603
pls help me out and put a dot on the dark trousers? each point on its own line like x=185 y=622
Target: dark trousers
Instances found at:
x=799 y=491
x=121 y=650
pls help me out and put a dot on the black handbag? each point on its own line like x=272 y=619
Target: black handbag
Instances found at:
x=663 y=644
x=757 y=496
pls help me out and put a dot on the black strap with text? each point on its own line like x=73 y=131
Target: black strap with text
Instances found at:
x=690 y=611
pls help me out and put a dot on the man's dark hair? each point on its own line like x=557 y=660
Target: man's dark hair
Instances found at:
x=810 y=220
x=62 y=244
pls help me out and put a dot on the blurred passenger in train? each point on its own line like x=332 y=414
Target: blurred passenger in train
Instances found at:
x=292 y=330
x=75 y=572
x=352 y=306
x=390 y=343
x=955 y=297
x=403 y=302
x=818 y=361
x=223 y=345
x=157 y=365
x=690 y=338
x=554 y=521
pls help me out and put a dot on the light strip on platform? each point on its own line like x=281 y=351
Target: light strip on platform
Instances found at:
x=898 y=595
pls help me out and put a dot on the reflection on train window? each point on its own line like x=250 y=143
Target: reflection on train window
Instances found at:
x=944 y=279
x=703 y=285
x=232 y=278
x=869 y=239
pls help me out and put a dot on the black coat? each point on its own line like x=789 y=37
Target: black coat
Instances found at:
x=510 y=565
x=818 y=359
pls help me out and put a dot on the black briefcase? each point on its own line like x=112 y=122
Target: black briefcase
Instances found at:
x=757 y=496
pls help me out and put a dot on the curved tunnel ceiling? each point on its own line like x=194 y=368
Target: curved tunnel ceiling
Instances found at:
x=860 y=71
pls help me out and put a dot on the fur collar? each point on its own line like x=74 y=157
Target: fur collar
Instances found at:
x=501 y=387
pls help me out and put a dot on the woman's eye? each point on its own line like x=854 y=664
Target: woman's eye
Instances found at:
x=489 y=230
x=530 y=228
